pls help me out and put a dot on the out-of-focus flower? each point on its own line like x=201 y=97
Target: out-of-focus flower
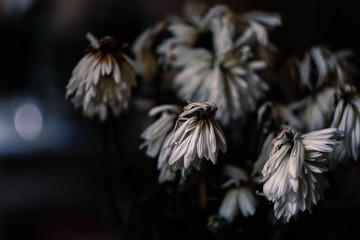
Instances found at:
x=293 y=175
x=239 y=197
x=256 y=27
x=347 y=119
x=157 y=134
x=315 y=110
x=145 y=52
x=188 y=31
x=226 y=76
x=102 y=79
x=196 y=136
x=329 y=69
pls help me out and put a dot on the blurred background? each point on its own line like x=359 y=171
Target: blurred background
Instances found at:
x=51 y=162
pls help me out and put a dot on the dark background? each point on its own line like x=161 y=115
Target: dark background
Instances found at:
x=51 y=187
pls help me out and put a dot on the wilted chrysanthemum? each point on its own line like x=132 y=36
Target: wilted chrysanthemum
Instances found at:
x=157 y=134
x=196 y=136
x=238 y=197
x=293 y=175
x=347 y=119
x=102 y=79
x=226 y=76
x=272 y=117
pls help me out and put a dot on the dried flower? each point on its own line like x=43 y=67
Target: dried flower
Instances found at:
x=226 y=76
x=347 y=119
x=239 y=197
x=102 y=79
x=293 y=175
x=196 y=136
x=273 y=117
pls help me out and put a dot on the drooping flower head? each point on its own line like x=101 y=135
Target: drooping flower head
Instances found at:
x=347 y=119
x=239 y=197
x=272 y=117
x=102 y=79
x=196 y=136
x=225 y=75
x=293 y=176
x=157 y=134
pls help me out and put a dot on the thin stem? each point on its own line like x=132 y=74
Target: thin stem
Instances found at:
x=202 y=187
x=108 y=177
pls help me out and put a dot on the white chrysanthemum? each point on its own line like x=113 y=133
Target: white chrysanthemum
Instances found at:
x=347 y=119
x=239 y=197
x=293 y=175
x=331 y=68
x=273 y=117
x=226 y=77
x=157 y=134
x=315 y=110
x=196 y=136
x=101 y=80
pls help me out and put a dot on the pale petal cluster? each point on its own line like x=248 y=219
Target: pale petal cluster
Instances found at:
x=196 y=136
x=239 y=197
x=222 y=69
x=331 y=68
x=273 y=117
x=229 y=79
x=101 y=80
x=185 y=32
x=293 y=176
x=315 y=110
x=144 y=51
x=157 y=134
x=347 y=119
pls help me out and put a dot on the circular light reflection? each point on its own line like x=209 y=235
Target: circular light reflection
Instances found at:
x=28 y=121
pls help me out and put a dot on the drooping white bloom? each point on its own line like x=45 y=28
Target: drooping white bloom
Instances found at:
x=196 y=136
x=315 y=110
x=273 y=117
x=238 y=197
x=347 y=119
x=102 y=79
x=293 y=176
x=226 y=76
x=157 y=134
